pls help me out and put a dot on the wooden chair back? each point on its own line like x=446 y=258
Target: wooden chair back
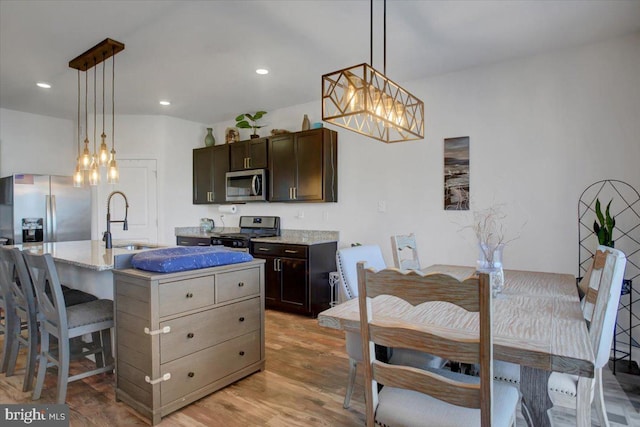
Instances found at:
x=600 y=304
x=405 y=252
x=414 y=287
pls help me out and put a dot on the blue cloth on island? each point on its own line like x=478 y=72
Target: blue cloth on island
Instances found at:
x=182 y=258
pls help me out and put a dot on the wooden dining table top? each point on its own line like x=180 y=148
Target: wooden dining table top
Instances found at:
x=537 y=319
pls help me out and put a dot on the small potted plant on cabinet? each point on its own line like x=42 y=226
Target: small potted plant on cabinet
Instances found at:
x=243 y=123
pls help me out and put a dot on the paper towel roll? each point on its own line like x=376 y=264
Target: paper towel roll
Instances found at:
x=228 y=209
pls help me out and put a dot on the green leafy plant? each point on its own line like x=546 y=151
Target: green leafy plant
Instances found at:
x=604 y=230
x=243 y=123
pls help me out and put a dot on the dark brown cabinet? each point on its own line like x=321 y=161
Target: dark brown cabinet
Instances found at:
x=297 y=276
x=249 y=154
x=303 y=167
x=210 y=164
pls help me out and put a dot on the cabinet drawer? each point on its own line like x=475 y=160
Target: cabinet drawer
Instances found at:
x=193 y=241
x=280 y=250
x=193 y=372
x=195 y=332
x=184 y=295
x=237 y=284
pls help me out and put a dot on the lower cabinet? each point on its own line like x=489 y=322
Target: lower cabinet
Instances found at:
x=297 y=276
x=181 y=336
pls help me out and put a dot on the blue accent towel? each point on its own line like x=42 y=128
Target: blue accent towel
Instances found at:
x=182 y=258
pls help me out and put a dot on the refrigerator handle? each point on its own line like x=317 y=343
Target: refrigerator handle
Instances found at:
x=54 y=231
x=47 y=219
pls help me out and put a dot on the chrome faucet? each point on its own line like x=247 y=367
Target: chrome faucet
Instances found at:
x=125 y=226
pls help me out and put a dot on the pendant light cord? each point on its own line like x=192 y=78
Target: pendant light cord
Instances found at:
x=384 y=34
x=86 y=108
x=103 y=61
x=113 y=102
x=79 y=126
x=94 y=109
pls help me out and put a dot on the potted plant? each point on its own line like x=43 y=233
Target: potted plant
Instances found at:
x=604 y=230
x=242 y=122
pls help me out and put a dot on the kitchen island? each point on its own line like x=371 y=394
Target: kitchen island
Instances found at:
x=85 y=264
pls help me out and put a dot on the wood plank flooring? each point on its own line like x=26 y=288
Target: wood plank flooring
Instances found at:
x=303 y=385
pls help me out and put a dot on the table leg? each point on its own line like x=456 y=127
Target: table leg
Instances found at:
x=535 y=397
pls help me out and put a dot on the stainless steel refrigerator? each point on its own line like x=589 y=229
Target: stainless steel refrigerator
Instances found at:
x=43 y=208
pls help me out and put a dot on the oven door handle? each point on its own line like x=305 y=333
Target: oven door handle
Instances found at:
x=255 y=185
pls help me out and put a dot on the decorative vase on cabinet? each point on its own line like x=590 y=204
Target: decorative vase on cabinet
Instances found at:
x=209 y=140
x=306 y=124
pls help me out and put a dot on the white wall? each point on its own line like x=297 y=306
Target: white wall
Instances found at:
x=542 y=129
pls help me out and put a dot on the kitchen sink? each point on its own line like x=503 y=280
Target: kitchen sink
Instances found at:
x=135 y=246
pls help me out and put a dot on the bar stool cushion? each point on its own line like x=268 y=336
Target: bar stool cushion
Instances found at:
x=89 y=313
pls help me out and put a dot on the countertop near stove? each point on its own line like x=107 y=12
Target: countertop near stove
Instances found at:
x=292 y=237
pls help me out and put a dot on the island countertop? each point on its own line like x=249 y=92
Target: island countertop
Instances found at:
x=292 y=237
x=89 y=254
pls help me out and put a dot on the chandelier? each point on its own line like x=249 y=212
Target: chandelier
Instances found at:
x=366 y=101
x=88 y=163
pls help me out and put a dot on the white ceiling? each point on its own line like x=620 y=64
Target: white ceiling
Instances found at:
x=202 y=55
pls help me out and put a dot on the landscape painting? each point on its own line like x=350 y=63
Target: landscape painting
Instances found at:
x=456 y=173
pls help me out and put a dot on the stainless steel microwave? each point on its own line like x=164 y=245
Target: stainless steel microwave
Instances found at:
x=247 y=185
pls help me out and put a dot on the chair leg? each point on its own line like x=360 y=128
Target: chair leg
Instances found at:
x=107 y=351
x=353 y=368
x=11 y=335
x=598 y=399
x=42 y=363
x=63 y=369
x=32 y=352
x=96 y=342
x=583 y=403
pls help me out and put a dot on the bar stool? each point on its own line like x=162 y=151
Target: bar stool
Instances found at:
x=20 y=308
x=66 y=323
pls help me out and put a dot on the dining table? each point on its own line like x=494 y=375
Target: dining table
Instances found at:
x=537 y=322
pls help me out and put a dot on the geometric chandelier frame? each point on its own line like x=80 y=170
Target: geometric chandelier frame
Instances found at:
x=364 y=100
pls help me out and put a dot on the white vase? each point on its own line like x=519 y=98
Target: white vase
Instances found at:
x=490 y=261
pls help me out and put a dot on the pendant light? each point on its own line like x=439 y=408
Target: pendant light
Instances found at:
x=94 y=172
x=86 y=160
x=104 y=151
x=366 y=101
x=78 y=175
x=113 y=176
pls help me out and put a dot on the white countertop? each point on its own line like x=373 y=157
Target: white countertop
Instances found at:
x=90 y=254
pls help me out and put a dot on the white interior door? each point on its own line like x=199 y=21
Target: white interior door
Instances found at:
x=138 y=181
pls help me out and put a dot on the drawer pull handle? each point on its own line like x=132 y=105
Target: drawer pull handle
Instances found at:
x=240 y=284
x=264 y=249
x=164 y=330
x=190 y=335
x=241 y=319
x=241 y=353
x=289 y=251
x=189 y=295
x=190 y=374
x=165 y=377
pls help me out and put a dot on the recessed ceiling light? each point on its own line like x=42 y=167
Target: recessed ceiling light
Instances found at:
x=44 y=85
x=165 y=103
x=262 y=71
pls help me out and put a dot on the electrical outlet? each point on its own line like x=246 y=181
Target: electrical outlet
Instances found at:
x=382 y=206
x=300 y=214
x=325 y=216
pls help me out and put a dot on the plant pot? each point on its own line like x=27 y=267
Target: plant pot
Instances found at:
x=254 y=136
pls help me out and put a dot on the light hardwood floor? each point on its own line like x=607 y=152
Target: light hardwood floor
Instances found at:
x=303 y=385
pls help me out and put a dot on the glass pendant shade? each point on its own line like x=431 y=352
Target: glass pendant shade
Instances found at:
x=364 y=100
x=94 y=173
x=85 y=160
x=113 y=176
x=78 y=175
x=104 y=151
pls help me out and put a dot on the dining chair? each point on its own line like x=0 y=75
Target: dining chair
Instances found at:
x=346 y=261
x=599 y=309
x=66 y=323
x=405 y=252
x=21 y=310
x=417 y=397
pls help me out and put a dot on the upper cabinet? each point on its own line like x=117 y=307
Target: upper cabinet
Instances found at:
x=249 y=154
x=210 y=164
x=303 y=166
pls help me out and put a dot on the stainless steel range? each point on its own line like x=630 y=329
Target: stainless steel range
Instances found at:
x=250 y=227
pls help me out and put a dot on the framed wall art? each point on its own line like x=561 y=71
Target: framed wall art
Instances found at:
x=456 y=173
x=231 y=135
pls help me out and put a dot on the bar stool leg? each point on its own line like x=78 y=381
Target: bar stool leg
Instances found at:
x=32 y=354
x=63 y=369
x=42 y=363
